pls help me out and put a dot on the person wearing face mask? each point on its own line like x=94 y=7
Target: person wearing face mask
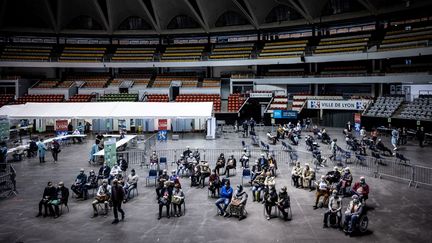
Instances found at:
x=345 y=181
x=270 y=200
x=238 y=203
x=296 y=175
x=164 y=199
x=322 y=191
x=62 y=198
x=196 y=155
x=130 y=184
x=161 y=181
x=117 y=196
x=102 y=196
x=115 y=171
x=263 y=162
x=231 y=164
x=361 y=189
x=154 y=160
x=352 y=214
x=49 y=193
x=92 y=182
x=225 y=198
x=79 y=185
x=334 y=207
x=104 y=171
x=177 y=200
x=94 y=149
x=220 y=163
x=284 y=202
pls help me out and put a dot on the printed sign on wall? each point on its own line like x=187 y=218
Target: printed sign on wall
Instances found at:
x=61 y=125
x=337 y=104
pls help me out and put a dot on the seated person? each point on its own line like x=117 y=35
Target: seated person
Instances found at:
x=238 y=203
x=244 y=160
x=334 y=207
x=114 y=173
x=92 y=182
x=272 y=165
x=231 y=164
x=104 y=171
x=361 y=189
x=283 y=202
x=79 y=185
x=307 y=176
x=78 y=139
x=164 y=199
x=269 y=181
x=325 y=138
x=32 y=149
x=61 y=198
x=174 y=178
x=263 y=162
x=196 y=155
x=182 y=165
x=103 y=195
x=296 y=173
x=280 y=133
x=205 y=171
x=220 y=163
x=352 y=214
x=214 y=183
x=130 y=183
x=225 y=198
x=123 y=164
x=50 y=193
x=191 y=161
x=177 y=199
x=258 y=186
x=345 y=181
x=316 y=153
x=154 y=160
x=333 y=176
x=196 y=175
x=187 y=152
x=256 y=170
x=161 y=182
x=380 y=146
x=322 y=190
x=272 y=138
x=270 y=200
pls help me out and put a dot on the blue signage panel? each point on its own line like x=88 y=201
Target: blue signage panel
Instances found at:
x=277 y=114
x=162 y=135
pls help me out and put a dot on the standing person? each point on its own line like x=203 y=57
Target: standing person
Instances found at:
x=94 y=149
x=420 y=136
x=252 y=124
x=395 y=138
x=245 y=128
x=363 y=132
x=333 y=148
x=70 y=128
x=348 y=126
x=41 y=151
x=404 y=136
x=374 y=135
x=117 y=196
x=55 y=150
x=3 y=152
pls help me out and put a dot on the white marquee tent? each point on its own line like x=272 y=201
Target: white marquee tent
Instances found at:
x=116 y=110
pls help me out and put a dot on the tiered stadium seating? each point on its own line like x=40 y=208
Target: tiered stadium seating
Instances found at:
x=405 y=39
x=133 y=54
x=190 y=83
x=26 y=53
x=118 y=97
x=91 y=81
x=283 y=49
x=182 y=53
x=278 y=103
x=166 y=81
x=344 y=71
x=419 y=109
x=39 y=98
x=6 y=99
x=157 y=98
x=356 y=43
x=201 y=98
x=82 y=54
x=136 y=78
x=384 y=106
x=235 y=101
x=232 y=51
x=211 y=83
x=46 y=84
x=81 y=98
x=65 y=84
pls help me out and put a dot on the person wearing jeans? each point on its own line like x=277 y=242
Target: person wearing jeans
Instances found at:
x=225 y=198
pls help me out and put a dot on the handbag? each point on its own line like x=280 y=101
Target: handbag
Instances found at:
x=236 y=202
x=176 y=200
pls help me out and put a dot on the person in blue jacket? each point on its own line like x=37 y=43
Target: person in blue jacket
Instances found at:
x=225 y=198
x=41 y=151
x=94 y=149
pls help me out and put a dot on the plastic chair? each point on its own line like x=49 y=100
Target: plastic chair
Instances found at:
x=163 y=161
x=246 y=173
x=151 y=176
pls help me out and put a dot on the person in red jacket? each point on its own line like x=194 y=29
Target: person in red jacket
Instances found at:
x=361 y=189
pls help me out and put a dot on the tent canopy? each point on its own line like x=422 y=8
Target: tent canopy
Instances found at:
x=99 y=110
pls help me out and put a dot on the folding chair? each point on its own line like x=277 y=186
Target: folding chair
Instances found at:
x=151 y=176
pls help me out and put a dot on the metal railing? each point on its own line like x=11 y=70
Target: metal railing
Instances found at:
x=414 y=175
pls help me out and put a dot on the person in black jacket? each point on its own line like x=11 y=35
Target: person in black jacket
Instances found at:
x=49 y=193
x=61 y=198
x=420 y=136
x=55 y=150
x=117 y=196
x=104 y=171
x=270 y=200
x=165 y=199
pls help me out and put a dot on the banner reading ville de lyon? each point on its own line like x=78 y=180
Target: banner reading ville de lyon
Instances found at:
x=337 y=104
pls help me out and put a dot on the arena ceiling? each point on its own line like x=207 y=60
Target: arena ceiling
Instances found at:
x=167 y=17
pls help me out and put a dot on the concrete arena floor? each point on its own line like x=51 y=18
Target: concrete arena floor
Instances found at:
x=400 y=213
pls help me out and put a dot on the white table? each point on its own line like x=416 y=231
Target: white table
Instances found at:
x=49 y=140
x=119 y=143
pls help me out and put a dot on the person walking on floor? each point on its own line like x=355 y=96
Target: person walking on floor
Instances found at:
x=420 y=136
x=117 y=196
x=55 y=150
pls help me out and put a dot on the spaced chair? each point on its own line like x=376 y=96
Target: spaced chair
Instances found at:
x=151 y=176
x=163 y=161
x=246 y=173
